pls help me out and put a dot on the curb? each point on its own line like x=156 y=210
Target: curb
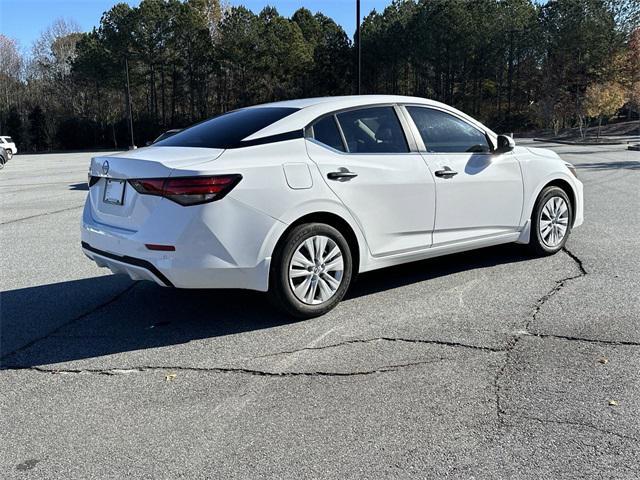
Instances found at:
x=569 y=142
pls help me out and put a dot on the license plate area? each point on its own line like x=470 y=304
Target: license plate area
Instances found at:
x=114 y=191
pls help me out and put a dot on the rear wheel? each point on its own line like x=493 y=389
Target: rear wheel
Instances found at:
x=9 y=154
x=311 y=271
x=551 y=221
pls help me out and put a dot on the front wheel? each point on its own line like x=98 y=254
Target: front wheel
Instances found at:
x=551 y=221
x=311 y=271
x=9 y=154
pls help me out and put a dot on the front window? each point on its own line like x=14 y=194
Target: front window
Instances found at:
x=227 y=130
x=444 y=133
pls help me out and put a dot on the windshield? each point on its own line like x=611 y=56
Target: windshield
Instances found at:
x=227 y=130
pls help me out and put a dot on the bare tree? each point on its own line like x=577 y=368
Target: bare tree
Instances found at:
x=11 y=66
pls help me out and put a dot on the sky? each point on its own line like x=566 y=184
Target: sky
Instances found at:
x=25 y=20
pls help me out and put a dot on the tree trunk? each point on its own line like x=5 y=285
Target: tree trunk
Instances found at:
x=599 y=127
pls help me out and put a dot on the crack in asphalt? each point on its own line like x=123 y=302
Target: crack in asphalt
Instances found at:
x=386 y=339
x=583 y=339
x=70 y=322
x=246 y=371
x=500 y=411
x=558 y=286
x=15 y=220
x=581 y=424
x=577 y=260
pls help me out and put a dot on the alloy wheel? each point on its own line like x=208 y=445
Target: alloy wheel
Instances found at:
x=316 y=270
x=554 y=221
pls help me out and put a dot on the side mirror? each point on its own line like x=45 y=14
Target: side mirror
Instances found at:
x=505 y=144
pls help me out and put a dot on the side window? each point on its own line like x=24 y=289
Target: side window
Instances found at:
x=326 y=131
x=373 y=130
x=444 y=133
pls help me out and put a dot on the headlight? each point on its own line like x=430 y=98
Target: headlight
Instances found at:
x=572 y=169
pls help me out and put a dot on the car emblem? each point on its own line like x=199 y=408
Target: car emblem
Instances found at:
x=105 y=167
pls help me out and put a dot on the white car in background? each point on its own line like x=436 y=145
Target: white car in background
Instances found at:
x=9 y=145
x=297 y=197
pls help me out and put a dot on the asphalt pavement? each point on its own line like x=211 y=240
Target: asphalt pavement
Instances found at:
x=487 y=364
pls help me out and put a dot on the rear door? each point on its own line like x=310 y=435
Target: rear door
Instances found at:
x=479 y=194
x=364 y=156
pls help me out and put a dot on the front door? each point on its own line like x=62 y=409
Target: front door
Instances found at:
x=478 y=193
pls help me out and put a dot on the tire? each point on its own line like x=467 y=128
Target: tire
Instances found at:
x=325 y=283
x=551 y=221
x=9 y=155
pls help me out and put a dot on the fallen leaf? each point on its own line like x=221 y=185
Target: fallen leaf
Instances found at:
x=613 y=403
x=169 y=377
x=603 y=360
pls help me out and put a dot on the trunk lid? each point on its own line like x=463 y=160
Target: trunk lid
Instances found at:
x=148 y=162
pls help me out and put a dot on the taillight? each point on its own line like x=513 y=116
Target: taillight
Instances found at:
x=188 y=190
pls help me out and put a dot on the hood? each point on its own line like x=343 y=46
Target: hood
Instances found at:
x=544 y=152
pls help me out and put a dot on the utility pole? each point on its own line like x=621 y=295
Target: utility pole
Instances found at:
x=358 y=47
x=126 y=70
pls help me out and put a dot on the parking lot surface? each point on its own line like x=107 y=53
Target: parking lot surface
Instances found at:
x=487 y=364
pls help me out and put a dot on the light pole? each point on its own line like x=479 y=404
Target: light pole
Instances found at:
x=126 y=71
x=358 y=47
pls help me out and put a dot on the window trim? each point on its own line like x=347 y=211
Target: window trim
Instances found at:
x=422 y=148
x=412 y=147
x=345 y=145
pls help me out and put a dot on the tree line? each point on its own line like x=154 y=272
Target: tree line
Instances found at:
x=515 y=64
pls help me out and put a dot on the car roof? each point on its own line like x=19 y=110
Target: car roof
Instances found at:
x=354 y=100
x=310 y=109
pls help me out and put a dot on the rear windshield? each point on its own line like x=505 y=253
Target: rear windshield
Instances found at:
x=227 y=130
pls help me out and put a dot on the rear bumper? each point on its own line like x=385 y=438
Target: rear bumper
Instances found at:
x=136 y=268
x=218 y=245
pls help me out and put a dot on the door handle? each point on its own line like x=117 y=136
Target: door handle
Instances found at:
x=446 y=172
x=341 y=175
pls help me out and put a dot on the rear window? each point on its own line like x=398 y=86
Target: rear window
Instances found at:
x=326 y=131
x=373 y=130
x=227 y=130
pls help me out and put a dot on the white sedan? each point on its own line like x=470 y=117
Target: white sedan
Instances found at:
x=9 y=145
x=297 y=197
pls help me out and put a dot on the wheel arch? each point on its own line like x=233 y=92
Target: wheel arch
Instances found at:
x=335 y=221
x=567 y=188
x=554 y=180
